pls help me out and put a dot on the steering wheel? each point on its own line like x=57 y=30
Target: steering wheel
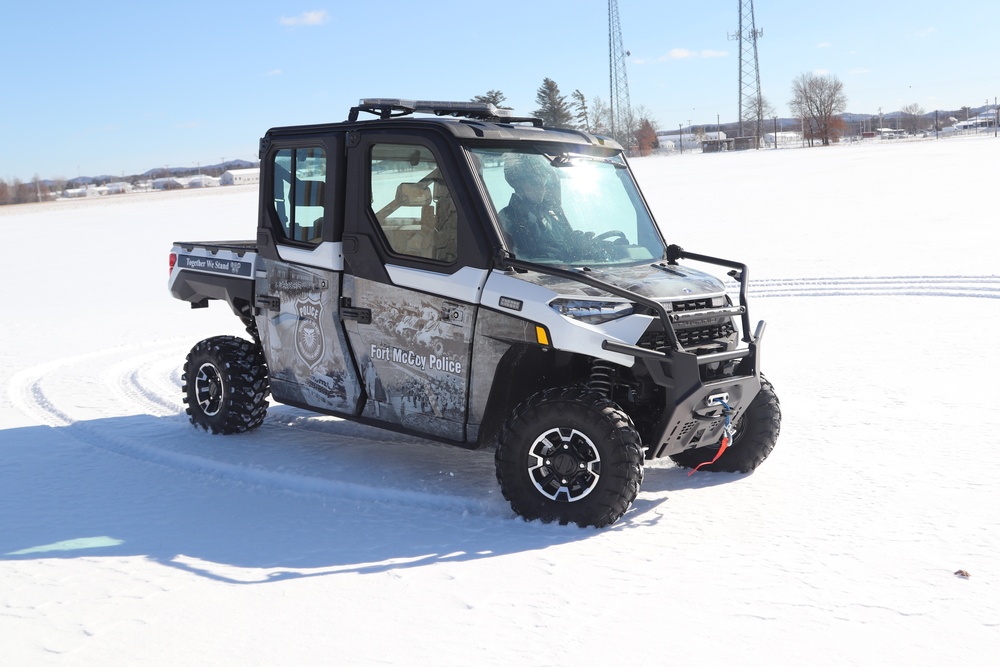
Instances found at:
x=612 y=234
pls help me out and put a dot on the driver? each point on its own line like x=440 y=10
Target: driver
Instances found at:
x=533 y=220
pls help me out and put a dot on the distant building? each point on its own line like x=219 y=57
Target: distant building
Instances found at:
x=686 y=140
x=85 y=191
x=167 y=184
x=890 y=133
x=241 y=177
x=203 y=182
x=983 y=121
x=787 y=139
x=118 y=188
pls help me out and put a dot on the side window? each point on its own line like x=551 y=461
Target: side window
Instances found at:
x=299 y=183
x=412 y=202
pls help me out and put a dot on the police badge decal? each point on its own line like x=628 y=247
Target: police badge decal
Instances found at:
x=309 y=341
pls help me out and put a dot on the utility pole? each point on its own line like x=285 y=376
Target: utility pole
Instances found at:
x=751 y=111
x=620 y=106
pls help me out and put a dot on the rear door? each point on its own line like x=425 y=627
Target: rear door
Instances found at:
x=298 y=292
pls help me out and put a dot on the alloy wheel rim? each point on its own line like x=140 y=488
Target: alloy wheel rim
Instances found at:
x=564 y=465
x=209 y=389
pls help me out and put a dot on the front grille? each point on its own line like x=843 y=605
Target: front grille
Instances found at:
x=693 y=335
x=706 y=334
x=657 y=340
x=693 y=304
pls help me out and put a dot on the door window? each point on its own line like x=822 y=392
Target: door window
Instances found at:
x=412 y=202
x=299 y=193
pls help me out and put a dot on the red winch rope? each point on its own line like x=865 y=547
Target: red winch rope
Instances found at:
x=727 y=432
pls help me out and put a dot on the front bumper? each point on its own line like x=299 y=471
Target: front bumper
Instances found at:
x=693 y=417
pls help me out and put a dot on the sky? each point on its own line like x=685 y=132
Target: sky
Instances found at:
x=124 y=87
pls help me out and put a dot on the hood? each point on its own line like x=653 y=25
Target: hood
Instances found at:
x=654 y=281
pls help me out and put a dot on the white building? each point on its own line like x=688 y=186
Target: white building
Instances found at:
x=787 y=139
x=241 y=177
x=983 y=121
x=202 y=181
x=119 y=188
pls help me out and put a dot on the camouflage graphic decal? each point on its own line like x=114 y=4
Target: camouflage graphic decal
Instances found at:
x=414 y=357
x=305 y=344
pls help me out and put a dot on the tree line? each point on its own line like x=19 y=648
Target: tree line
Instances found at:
x=18 y=192
x=38 y=189
x=818 y=102
x=594 y=117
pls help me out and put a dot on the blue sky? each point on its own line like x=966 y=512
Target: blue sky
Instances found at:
x=119 y=88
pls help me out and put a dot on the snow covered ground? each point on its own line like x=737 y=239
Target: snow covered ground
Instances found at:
x=127 y=537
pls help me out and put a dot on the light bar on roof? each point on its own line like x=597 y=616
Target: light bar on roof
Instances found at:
x=387 y=102
x=438 y=106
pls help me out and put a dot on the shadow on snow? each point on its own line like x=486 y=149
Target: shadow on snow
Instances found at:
x=282 y=502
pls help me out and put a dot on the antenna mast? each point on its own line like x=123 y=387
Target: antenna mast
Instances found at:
x=750 y=102
x=620 y=107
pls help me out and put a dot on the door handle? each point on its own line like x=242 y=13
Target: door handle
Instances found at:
x=359 y=315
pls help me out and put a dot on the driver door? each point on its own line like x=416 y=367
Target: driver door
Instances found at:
x=410 y=286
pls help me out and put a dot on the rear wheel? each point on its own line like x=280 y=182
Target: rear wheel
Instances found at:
x=569 y=455
x=225 y=385
x=755 y=434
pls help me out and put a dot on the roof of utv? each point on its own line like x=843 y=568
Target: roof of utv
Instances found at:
x=465 y=120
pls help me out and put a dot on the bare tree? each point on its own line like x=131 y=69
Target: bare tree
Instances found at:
x=600 y=117
x=911 y=117
x=819 y=100
x=762 y=107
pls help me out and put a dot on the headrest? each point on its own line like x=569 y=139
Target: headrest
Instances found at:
x=413 y=194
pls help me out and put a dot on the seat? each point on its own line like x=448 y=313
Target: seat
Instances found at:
x=407 y=194
x=446 y=224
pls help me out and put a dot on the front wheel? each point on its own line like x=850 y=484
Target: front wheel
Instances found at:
x=755 y=434
x=569 y=455
x=225 y=385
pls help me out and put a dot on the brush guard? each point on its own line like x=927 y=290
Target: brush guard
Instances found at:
x=692 y=416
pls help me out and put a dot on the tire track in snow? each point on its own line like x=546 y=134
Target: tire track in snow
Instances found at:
x=982 y=287
x=143 y=379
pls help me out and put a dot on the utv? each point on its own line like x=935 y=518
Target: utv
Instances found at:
x=485 y=281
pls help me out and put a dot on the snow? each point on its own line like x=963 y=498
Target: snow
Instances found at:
x=128 y=537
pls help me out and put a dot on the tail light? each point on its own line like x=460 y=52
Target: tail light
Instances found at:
x=173 y=261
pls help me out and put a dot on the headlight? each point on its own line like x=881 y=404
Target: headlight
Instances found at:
x=592 y=312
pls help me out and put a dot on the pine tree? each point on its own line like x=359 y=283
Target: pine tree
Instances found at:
x=552 y=107
x=582 y=117
x=494 y=97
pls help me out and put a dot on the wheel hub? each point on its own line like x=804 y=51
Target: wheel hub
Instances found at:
x=564 y=465
x=208 y=389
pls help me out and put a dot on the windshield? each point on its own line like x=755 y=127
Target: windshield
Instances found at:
x=568 y=209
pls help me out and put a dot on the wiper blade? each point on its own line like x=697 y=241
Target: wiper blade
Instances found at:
x=567 y=160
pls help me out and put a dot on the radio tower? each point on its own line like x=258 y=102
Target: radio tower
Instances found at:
x=751 y=111
x=620 y=107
